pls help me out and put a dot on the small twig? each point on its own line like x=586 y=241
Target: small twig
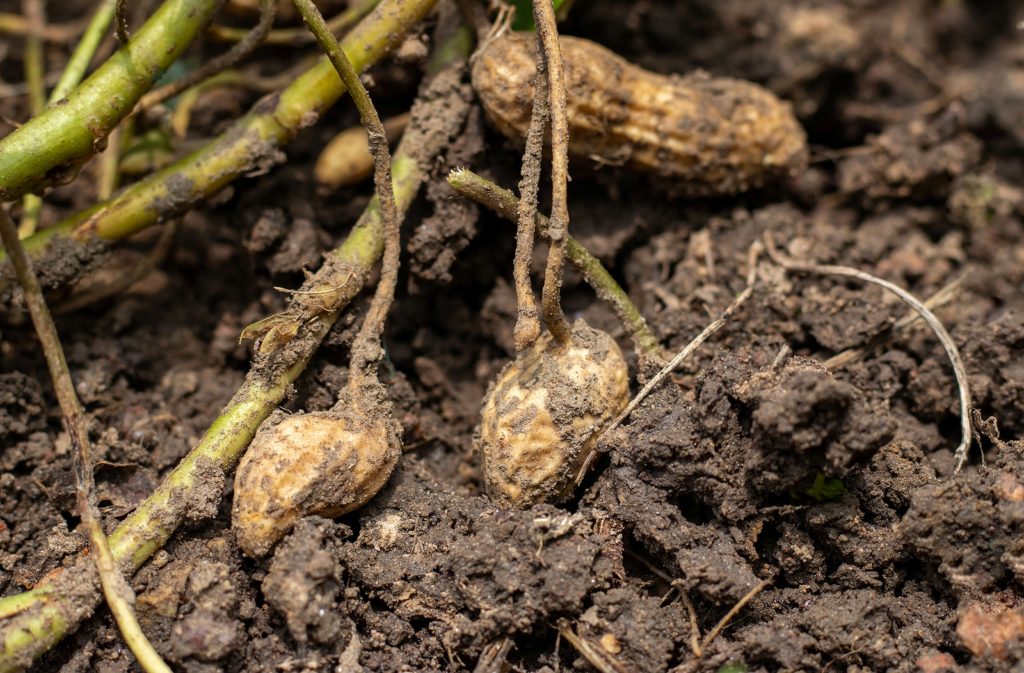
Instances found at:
x=937 y=300
x=691 y=613
x=366 y=347
x=16 y=24
x=34 y=66
x=34 y=54
x=298 y=36
x=598 y=658
x=943 y=335
x=724 y=621
x=121 y=21
x=116 y=590
x=492 y=659
x=527 y=327
x=253 y=39
x=752 y=255
x=504 y=203
x=550 y=51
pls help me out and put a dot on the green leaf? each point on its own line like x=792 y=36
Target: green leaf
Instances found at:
x=825 y=488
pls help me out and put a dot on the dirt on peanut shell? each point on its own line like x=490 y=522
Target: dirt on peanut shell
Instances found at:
x=755 y=466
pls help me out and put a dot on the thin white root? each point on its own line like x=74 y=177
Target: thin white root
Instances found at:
x=940 y=331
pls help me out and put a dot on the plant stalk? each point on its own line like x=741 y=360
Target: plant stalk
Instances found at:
x=52 y=146
x=504 y=203
x=34 y=621
x=252 y=144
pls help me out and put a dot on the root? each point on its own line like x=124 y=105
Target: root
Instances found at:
x=118 y=594
x=547 y=45
x=945 y=295
x=366 y=348
x=943 y=335
x=527 y=327
x=505 y=203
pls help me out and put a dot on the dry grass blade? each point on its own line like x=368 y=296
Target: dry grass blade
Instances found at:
x=741 y=298
x=121 y=21
x=943 y=335
x=116 y=590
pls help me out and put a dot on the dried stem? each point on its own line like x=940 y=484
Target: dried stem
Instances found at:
x=913 y=302
x=121 y=21
x=118 y=594
x=741 y=298
x=731 y=614
x=366 y=348
x=505 y=203
x=252 y=39
x=547 y=44
x=492 y=659
x=598 y=658
x=527 y=327
x=298 y=36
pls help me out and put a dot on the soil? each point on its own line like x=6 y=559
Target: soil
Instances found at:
x=753 y=467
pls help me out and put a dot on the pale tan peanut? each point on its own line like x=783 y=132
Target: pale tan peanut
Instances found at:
x=346 y=159
x=709 y=135
x=326 y=463
x=544 y=412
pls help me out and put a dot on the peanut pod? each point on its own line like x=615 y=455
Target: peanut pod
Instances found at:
x=708 y=135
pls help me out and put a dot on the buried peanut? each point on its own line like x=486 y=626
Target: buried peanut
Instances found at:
x=326 y=463
x=542 y=415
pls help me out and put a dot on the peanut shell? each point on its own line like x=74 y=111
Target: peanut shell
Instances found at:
x=542 y=415
x=325 y=462
x=708 y=135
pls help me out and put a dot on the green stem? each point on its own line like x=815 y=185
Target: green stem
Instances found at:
x=252 y=143
x=52 y=146
x=32 y=622
x=74 y=71
x=504 y=203
x=76 y=66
